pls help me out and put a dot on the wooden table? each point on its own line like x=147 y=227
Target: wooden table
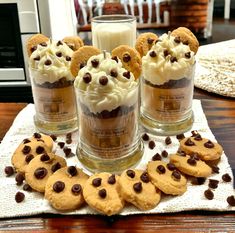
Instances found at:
x=220 y=112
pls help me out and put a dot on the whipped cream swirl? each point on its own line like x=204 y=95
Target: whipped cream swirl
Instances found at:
x=50 y=62
x=104 y=84
x=168 y=59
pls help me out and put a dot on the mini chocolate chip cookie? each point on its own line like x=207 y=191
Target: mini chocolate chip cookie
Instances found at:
x=64 y=188
x=191 y=165
x=167 y=179
x=74 y=42
x=205 y=148
x=102 y=193
x=41 y=168
x=137 y=189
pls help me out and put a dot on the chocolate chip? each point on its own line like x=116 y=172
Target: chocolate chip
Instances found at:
x=9 y=171
x=177 y=40
x=215 y=169
x=145 y=177
x=69 y=140
x=145 y=137
x=192 y=161
x=168 y=140
x=19 y=197
x=67 y=151
x=130 y=173
x=58 y=54
x=152 y=145
x=55 y=167
x=87 y=78
x=198 y=137
x=194 y=133
x=96 y=182
x=156 y=157
x=19 y=178
x=176 y=175
x=37 y=58
x=226 y=177
x=28 y=158
x=58 y=186
x=26 y=140
x=83 y=64
x=209 y=144
x=26 y=150
x=127 y=74
x=68 y=58
x=54 y=137
x=69 y=135
x=181 y=153
x=126 y=57
x=40 y=150
x=112 y=179
x=187 y=55
x=59 y=43
x=180 y=136
x=152 y=54
x=48 y=62
x=173 y=59
x=40 y=173
x=137 y=187
x=209 y=194
x=166 y=53
x=195 y=156
x=102 y=193
x=164 y=154
x=76 y=189
x=27 y=187
x=161 y=169
x=185 y=42
x=198 y=180
x=44 y=157
x=213 y=183
x=189 y=142
x=33 y=48
x=115 y=58
x=72 y=170
x=231 y=200
x=171 y=166
x=113 y=72
x=150 y=41
x=95 y=63
x=61 y=144
x=103 y=80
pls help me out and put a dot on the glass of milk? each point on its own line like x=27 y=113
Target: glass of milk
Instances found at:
x=110 y=31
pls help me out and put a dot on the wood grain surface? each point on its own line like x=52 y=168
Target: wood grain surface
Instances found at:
x=220 y=113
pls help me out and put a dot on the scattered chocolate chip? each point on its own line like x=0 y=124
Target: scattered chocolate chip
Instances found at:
x=40 y=150
x=215 y=169
x=102 y=193
x=26 y=140
x=113 y=72
x=231 y=200
x=69 y=135
x=198 y=137
x=189 y=142
x=37 y=58
x=48 y=62
x=67 y=151
x=185 y=42
x=168 y=140
x=180 y=136
x=173 y=59
x=58 y=54
x=19 y=197
x=27 y=187
x=187 y=55
x=33 y=49
x=181 y=153
x=177 y=40
x=130 y=173
x=9 y=171
x=152 y=54
x=54 y=137
x=209 y=144
x=19 y=178
x=209 y=194
x=226 y=177
x=55 y=167
x=137 y=187
x=45 y=157
x=176 y=175
x=112 y=179
x=151 y=144
x=145 y=177
x=126 y=57
x=76 y=189
x=61 y=144
x=37 y=135
x=58 y=186
x=213 y=183
x=72 y=170
x=171 y=166
x=95 y=63
x=68 y=58
x=26 y=150
x=59 y=43
x=103 y=80
x=161 y=169
x=115 y=58
x=194 y=133
x=28 y=158
x=191 y=161
x=156 y=157
x=69 y=140
x=150 y=41
x=145 y=137
x=164 y=153
x=166 y=53
x=96 y=182
x=40 y=173
x=43 y=44
x=198 y=180
x=127 y=74
x=87 y=78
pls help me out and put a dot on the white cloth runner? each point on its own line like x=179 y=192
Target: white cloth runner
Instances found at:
x=34 y=203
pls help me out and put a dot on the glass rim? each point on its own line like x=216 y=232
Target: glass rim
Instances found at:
x=117 y=18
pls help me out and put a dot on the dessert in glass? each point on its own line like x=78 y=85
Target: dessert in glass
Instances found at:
x=108 y=112
x=167 y=86
x=52 y=87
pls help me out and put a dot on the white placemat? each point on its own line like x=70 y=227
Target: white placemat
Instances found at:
x=34 y=203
